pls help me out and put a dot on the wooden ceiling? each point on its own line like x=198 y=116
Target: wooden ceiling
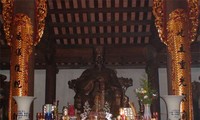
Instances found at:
x=74 y=28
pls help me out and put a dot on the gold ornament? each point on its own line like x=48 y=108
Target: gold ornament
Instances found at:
x=158 y=11
x=7 y=15
x=40 y=19
x=193 y=17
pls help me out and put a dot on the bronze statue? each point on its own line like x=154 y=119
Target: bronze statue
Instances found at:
x=102 y=81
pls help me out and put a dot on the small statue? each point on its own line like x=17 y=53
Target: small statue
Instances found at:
x=65 y=113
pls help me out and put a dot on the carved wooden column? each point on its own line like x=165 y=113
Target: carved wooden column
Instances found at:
x=23 y=26
x=177 y=21
x=152 y=72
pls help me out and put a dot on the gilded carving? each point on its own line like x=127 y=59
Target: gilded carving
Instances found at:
x=7 y=13
x=193 y=17
x=7 y=17
x=176 y=24
x=41 y=14
x=158 y=11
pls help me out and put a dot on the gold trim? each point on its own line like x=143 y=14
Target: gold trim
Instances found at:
x=193 y=17
x=41 y=13
x=7 y=14
x=158 y=11
x=177 y=24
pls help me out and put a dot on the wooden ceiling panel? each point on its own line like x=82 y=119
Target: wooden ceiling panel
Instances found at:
x=75 y=27
x=84 y=19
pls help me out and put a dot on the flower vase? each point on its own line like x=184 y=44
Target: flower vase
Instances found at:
x=147 y=112
x=173 y=106
x=23 y=106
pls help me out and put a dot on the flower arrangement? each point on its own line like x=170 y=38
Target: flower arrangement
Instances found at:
x=145 y=94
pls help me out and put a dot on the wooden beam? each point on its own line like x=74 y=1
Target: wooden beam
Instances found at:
x=103 y=10
x=103 y=35
x=116 y=56
x=103 y=23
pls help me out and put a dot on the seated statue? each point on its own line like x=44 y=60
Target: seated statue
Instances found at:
x=103 y=82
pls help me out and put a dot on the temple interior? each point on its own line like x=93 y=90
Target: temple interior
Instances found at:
x=88 y=57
